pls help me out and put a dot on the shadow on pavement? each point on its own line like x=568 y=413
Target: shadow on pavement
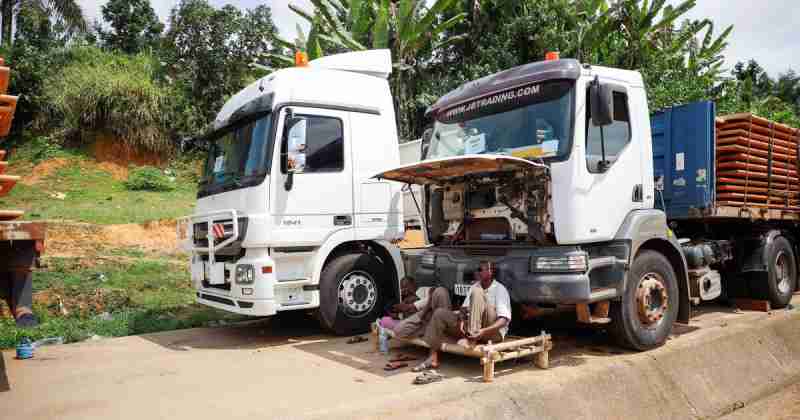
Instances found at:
x=573 y=344
x=283 y=329
x=4 y=385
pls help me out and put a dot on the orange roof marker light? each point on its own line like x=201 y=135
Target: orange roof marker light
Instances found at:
x=300 y=59
x=552 y=55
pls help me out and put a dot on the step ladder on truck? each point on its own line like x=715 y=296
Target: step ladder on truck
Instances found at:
x=21 y=243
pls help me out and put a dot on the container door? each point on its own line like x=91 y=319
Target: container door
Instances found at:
x=313 y=186
x=683 y=159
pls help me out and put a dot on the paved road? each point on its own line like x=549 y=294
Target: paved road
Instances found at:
x=284 y=368
x=784 y=405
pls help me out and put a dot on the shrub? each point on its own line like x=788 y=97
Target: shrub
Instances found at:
x=148 y=178
x=107 y=91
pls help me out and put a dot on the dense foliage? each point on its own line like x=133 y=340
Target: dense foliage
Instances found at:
x=152 y=87
x=104 y=92
x=134 y=26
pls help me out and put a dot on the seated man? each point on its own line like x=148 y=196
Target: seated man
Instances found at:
x=484 y=316
x=412 y=299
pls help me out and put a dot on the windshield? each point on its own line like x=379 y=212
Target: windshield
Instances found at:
x=533 y=121
x=237 y=157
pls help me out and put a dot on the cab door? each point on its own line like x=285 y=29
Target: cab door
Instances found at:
x=313 y=179
x=603 y=182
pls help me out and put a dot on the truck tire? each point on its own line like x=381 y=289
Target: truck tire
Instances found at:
x=644 y=317
x=781 y=279
x=352 y=293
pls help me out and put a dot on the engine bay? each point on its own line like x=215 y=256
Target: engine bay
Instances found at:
x=492 y=208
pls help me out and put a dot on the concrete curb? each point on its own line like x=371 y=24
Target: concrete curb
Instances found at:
x=691 y=378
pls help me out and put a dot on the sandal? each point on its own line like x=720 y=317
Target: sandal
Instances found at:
x=428 y=378
x=394 y=366
x=426 y=365
x=403 y=358
x=357 y=339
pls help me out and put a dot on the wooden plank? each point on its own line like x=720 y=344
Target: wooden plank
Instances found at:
x=755 y=144
x=744 y=157
x=756 y=168
x=739 y=210
x=737 y=148
x=759 y=120
x=743 y=207
x=752 y=305
x=750 y=197
x=6 y=215
x=750 y=189
x=753 y=136
x=7 y=182
x=743 y=174
x=760 y=129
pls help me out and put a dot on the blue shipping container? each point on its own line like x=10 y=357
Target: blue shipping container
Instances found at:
x=683 y=159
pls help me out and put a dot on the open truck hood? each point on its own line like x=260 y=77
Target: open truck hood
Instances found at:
x=437 y=171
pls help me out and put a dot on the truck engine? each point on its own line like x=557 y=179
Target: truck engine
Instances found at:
x=492 y=209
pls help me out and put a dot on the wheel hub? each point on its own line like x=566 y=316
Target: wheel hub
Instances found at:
x=357 y=293
x=652 y=299
x=782 y=273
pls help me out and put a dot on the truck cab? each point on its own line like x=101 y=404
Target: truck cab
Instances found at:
x=546 y=170
x=288 y=216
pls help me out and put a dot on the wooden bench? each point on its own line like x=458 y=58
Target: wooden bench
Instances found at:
x=513 y=347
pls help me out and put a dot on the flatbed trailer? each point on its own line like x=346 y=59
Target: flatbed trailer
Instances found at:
x=729 y=186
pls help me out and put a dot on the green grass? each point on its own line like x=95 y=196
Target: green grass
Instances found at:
x=80 y=191
x=122 y=294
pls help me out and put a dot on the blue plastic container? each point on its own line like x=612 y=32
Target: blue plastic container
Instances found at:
x=25 y=349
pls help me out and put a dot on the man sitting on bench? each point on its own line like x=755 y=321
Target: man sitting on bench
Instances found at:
x=484 y=316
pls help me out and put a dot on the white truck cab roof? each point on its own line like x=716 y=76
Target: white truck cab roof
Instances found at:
x=349 y=80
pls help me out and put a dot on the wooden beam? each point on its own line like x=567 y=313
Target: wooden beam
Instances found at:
x=752 y=305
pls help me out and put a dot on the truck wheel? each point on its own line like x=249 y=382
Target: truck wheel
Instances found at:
x=643 y=319
x=352 y=294
x=782 y=275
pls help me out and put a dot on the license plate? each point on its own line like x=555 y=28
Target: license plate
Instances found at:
x=462 y=289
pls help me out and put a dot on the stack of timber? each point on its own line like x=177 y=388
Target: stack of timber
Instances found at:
x=757 y=163
x=8 y=105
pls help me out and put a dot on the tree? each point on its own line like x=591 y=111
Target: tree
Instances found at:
x=408 y=28
x=65 y=12
x=134 y=25
x=209 y=51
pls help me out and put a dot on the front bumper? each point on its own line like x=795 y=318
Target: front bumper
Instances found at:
x=603 y=280
x=241 y=306
x=267 y=295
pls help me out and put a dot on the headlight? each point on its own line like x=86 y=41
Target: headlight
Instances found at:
x=428 y=260
x=245 y=274
x=568 y=263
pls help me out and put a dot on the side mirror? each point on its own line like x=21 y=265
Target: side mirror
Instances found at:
x=295 y=139
x=602 y=104
x=425 y=143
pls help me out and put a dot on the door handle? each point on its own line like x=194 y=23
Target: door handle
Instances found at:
x=637 y=193
x=342 y=220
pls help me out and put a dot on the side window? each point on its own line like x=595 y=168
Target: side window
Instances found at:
x=617 y=135
x=316 y=144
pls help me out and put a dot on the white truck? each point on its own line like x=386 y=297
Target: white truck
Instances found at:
x=548 y=169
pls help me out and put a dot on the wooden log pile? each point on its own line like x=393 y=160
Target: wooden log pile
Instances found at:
x=757 y=163
x=8 y=105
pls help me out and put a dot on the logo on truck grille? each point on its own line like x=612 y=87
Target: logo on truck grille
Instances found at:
x=219 y=230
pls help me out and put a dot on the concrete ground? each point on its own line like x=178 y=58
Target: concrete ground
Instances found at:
x=783 y=405
x=287 y=368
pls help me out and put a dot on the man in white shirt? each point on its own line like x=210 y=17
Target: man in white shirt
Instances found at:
x=484 y=316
